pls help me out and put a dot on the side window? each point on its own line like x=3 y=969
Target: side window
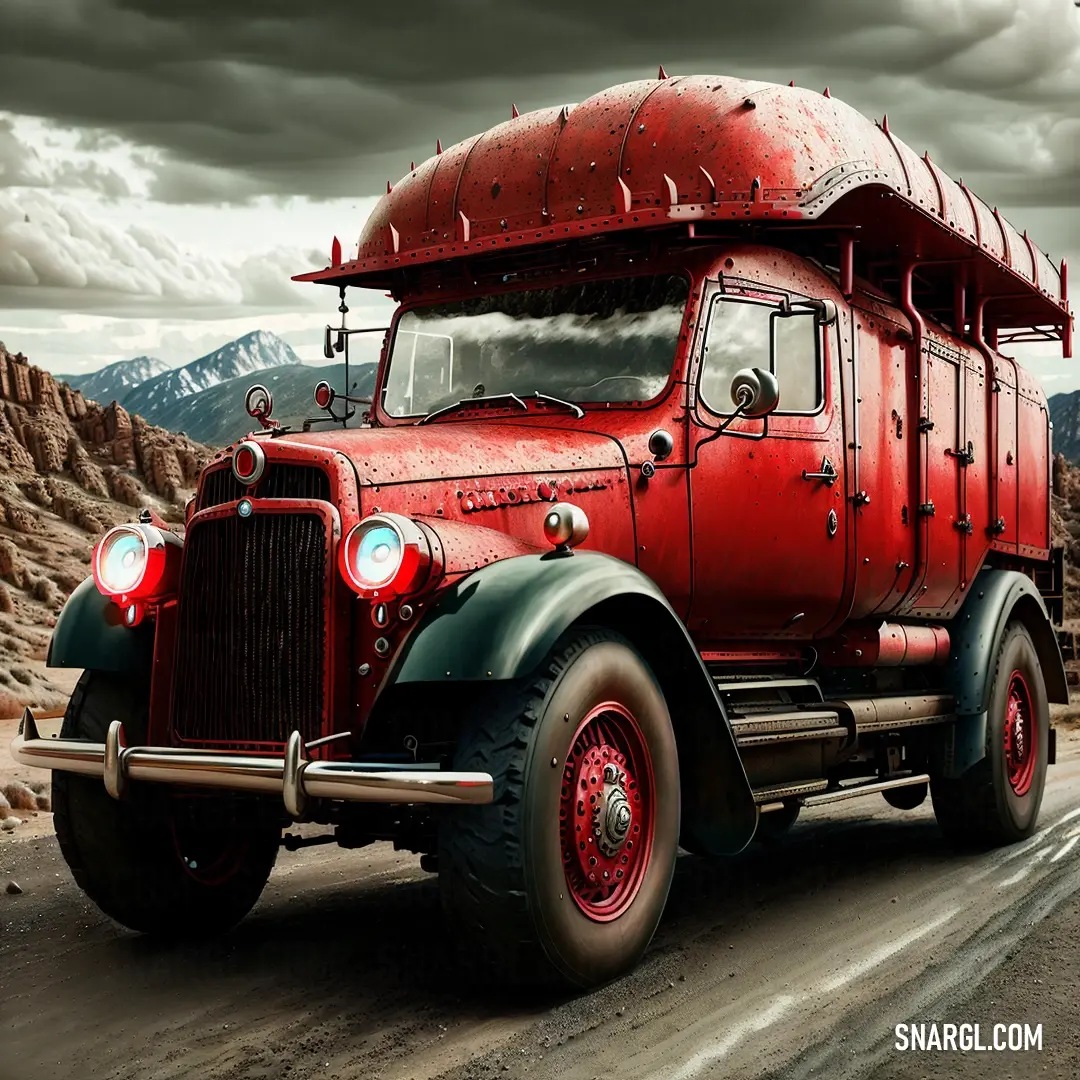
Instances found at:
x=797 y=362
x=744 y=334
x=738 y=336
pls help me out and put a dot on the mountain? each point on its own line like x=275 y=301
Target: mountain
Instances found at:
x=216 y=416
x=252 y=352
x=1065 y=416
x=112 y=383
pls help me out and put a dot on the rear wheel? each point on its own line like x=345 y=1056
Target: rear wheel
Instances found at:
x=997 y=800
x=159 y=862
x=562 y=880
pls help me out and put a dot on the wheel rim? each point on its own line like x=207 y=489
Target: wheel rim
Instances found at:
x=1020 y=735
x=606 y=812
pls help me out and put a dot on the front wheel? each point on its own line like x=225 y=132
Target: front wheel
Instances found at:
x=563 y=878
x=997 y=800
x=158 y=862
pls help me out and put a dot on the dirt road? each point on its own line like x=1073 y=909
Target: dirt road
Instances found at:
x=794 y=961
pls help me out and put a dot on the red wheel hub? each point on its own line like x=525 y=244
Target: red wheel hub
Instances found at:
x=1021 y=750
x=606 y=813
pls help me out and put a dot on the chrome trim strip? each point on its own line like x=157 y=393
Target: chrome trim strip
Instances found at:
x=292 y=778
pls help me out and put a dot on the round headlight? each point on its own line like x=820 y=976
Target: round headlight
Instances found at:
x=120 y=560
x=136 y=562
x=385 y=555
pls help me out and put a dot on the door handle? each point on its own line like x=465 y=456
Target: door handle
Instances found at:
x=827 y=476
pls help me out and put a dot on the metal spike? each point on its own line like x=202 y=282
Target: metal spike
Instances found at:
x=710 y=181
x=412 y=166
x=662 y=74
x=673 y=191
x=335 y=252
x=885 y=123
x=29 y=727
x=624 y=195
x=514 y=114
x=389 y=187
x=827 y=94
x=792 y=83
x=438 y=146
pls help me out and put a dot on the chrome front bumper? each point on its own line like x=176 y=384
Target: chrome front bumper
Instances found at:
x=293 y=777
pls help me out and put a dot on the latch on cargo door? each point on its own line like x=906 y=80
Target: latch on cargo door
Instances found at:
x=963 y=457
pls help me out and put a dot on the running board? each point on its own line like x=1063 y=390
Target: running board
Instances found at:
x=853 y=792
x=779 y=792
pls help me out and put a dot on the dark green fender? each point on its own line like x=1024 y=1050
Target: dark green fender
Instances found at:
x=996 y=598
x=501 y=621
x=90 y=635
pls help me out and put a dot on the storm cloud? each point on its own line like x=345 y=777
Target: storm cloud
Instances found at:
x=331 y=99
x=163 y=162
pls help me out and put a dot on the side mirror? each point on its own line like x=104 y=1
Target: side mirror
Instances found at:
x=328 y=346
x=755 y=392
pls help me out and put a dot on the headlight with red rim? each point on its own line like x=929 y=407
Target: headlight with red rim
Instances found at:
x=137 y=562
x=385 y=555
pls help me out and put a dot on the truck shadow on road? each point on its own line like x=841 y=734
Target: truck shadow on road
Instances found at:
x=320 y=935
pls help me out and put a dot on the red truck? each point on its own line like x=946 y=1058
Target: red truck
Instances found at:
x=694 y=490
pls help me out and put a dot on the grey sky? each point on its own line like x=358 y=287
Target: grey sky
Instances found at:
x=191 y=156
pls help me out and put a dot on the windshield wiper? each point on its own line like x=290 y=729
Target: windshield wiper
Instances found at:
x=577 y=410
x=464 y=403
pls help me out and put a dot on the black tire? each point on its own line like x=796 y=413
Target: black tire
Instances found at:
x=776 y=823
x=906 y=798
x=984 y=807
x=132 y=857
x=511 y=903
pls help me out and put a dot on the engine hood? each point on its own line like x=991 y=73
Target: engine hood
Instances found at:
x=418 y=453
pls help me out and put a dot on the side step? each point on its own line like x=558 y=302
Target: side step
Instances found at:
x=762 y=729
x=816 y=793
x=873 y=788
x=778 y=792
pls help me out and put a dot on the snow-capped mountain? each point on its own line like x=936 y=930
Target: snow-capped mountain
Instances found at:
x=252 y=352
x=216 y=416
x=113 y=382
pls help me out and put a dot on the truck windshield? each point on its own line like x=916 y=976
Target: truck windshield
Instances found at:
x=610 y=341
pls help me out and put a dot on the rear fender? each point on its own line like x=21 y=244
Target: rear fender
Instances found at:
x=500 y=622
x=997 y=598
x=88 y=635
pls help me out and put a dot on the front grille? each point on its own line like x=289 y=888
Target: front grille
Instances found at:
x=281 y=480
x=220 y=486
x=251 y=631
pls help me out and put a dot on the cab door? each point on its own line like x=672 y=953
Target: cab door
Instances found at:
x=769 y=512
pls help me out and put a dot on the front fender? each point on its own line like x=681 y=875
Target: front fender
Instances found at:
x=86 y=637
x=502 y=620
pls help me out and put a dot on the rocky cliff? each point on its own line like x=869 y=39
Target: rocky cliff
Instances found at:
x=69 y=469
